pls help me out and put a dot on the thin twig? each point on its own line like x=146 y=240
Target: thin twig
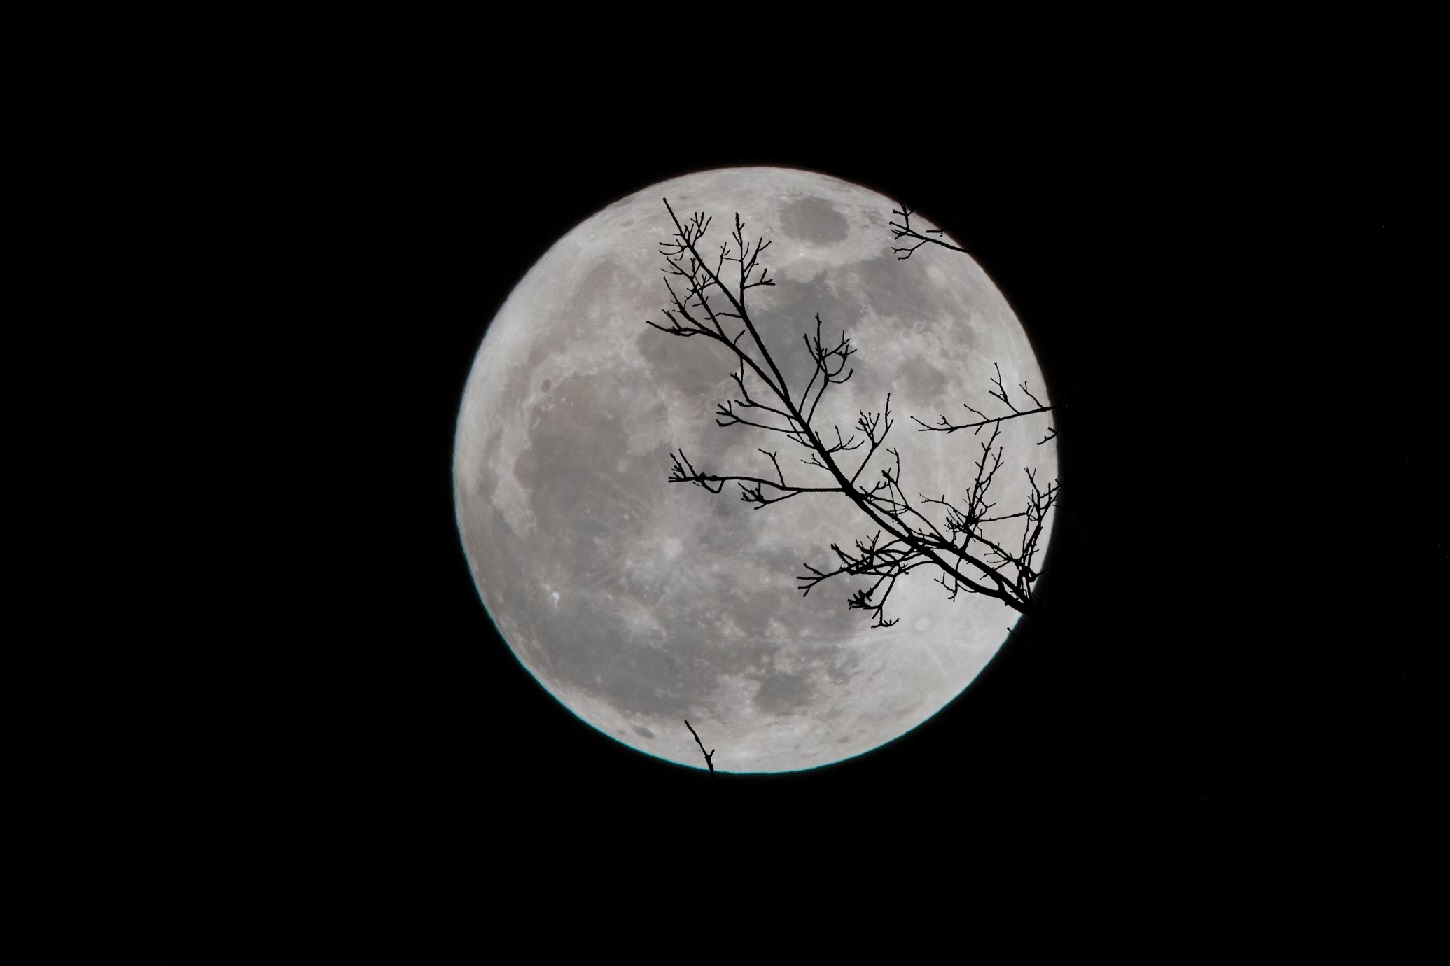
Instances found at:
x=709 y=755
x=903 y=229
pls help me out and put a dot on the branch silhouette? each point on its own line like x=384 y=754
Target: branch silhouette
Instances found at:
x=942 y=425
x=709 y=755
x=915 y=237
x=711 y=301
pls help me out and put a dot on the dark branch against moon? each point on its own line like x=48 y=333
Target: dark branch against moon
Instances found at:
x=705 y=302
x=708 y=754
x=915 y=239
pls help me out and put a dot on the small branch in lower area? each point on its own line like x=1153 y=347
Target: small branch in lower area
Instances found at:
x=708 y=754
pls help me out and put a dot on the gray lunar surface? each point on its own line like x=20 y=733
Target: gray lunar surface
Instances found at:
x=639 y=603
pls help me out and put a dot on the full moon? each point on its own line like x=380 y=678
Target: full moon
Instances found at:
x=640 y=603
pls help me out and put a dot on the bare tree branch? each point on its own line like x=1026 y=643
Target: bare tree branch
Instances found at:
x=916 y=238
x=942 y=425
x=705 y=303
x=709 y=755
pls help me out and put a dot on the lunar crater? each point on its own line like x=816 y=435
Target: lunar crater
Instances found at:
x=814 y=220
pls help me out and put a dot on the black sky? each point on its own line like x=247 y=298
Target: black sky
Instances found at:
x=1245 y=560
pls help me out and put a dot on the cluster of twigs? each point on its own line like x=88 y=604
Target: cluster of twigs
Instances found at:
x=942 y=425
x=705 y=303
x=915 y=237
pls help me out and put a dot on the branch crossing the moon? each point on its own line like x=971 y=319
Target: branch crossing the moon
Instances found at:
x=709 y=755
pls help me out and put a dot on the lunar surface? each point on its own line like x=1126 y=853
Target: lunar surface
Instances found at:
x=639 y=603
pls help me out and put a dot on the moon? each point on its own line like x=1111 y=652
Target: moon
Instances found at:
x=639 y=603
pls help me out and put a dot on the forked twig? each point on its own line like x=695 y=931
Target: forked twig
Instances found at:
x=709 y=755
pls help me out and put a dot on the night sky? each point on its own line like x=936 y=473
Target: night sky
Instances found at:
x=1249 y=547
